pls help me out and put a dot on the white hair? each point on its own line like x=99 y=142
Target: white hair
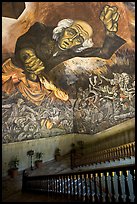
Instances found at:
x=66 y=23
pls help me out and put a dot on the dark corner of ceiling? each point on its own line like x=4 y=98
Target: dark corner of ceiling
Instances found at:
x=12 y=9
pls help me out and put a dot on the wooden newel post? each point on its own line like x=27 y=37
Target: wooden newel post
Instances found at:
x=24 y=181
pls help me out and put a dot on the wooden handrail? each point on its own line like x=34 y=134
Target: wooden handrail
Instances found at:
x=122 y=151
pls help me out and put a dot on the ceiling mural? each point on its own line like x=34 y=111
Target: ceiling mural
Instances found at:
x=67 y=76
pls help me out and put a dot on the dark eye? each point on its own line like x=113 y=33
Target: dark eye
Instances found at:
x=79 y=39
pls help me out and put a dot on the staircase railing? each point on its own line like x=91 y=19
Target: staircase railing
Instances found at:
x=81 y=157
x=103 y=185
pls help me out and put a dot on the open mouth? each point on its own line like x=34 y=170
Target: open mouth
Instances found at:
x=66 y=43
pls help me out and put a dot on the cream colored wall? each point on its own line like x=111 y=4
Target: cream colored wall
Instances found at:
x=45 y=145
x=48 y=145
x=127 y=127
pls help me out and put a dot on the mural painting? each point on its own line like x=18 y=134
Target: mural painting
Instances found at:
x=58 y=82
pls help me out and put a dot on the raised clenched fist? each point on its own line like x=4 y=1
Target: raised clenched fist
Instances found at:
x=109 y=16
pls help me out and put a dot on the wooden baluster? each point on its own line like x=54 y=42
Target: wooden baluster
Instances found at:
x=71 y=183
x=113 y=154
x=73 y=178
x=107 y=153
x=86 y=186
x=53 y=183
x=131 y=149
x=103 y=156
x=120 y=153
x=128 y=151
x=62 y=186
x=48 y=184
x=81 y=186
x=106 y=187
x=69 y=188
x=95 y=187
x=78 y=190
x=65 y=185
x=116 y=153
x=90 y=186
x=125 y=173
x=112 y=187
x=67 y=177
x=100 y=186
x=123 y=152
x=41 y=185
x=76 y=187
x=132 y=172
x=119 y=173
x=134 y=149
x=110 y=155
x=57 y=184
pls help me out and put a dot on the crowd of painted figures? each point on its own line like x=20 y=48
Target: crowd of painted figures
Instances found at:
x=106 y=102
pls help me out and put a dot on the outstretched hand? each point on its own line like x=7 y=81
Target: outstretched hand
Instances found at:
x=109 y=16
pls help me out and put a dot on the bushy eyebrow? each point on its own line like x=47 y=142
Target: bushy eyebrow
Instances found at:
x=71 y=29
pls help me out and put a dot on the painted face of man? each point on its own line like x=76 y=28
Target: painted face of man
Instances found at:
x=75 y=35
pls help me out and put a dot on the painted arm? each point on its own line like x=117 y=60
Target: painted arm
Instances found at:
x=109 y=16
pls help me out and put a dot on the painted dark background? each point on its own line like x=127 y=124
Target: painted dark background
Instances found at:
x=97 y=99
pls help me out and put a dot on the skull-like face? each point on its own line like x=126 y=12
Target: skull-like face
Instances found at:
x=75 y=35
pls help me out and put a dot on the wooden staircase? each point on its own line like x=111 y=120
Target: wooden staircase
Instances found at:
x=105 y=185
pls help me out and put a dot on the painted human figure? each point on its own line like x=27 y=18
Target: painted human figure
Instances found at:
x=42 y=48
